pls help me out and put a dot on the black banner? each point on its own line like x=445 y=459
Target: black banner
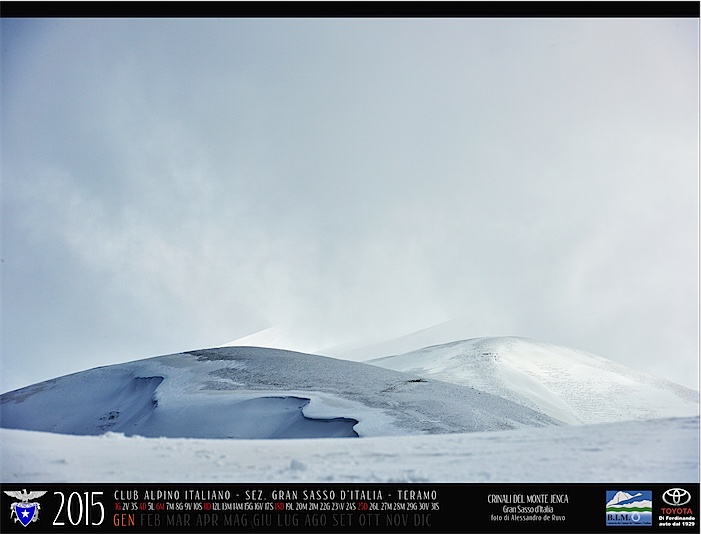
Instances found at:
x=370 y=508
x=383 y=9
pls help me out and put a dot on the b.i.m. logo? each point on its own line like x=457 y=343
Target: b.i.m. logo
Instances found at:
x=628 y=508
x=24 y=511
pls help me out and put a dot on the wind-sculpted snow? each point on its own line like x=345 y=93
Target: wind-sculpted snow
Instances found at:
x=248 y=418
x=247 y=392
x=114 y=400
x=413 y=404
x=142 y=409
x=569 y=385
x=92 y=402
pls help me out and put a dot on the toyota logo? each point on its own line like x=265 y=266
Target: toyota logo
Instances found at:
x=676 y=496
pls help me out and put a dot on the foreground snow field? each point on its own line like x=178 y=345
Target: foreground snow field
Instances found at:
x=664 y=450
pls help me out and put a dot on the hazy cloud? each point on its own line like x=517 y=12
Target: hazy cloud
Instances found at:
x=175 y=184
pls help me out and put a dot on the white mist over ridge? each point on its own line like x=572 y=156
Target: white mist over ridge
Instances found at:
x=455 y=330
x=282 y=337
x=569 y=385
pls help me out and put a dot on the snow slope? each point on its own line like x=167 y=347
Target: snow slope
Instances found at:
x=663 y=450
x=501 y=422
x=248 y=392
x=566 y=384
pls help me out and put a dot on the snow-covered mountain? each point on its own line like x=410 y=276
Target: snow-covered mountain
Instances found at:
x=491 y=409
x=363 y=350
x=566 y=384
x=249 y=392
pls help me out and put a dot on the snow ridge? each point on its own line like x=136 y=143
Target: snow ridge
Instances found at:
x=479 y=410
x=226 y=392
x=571 y=386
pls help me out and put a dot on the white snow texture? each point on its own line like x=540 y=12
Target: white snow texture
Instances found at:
x=477 y=410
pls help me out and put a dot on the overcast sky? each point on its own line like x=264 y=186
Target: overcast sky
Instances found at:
x=176 y=184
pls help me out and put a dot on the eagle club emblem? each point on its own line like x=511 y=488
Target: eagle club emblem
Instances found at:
x=25 y=512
